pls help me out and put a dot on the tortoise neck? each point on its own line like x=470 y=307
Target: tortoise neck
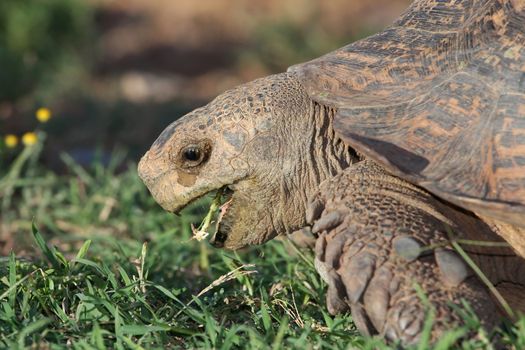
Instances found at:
x=319 y=155
x=328 y=154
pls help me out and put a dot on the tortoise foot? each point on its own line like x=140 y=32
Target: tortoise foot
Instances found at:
x=386 y=258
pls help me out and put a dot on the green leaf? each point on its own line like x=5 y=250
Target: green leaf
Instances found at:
x=118 y=328
x=89 y=263
x=277 y=342
x=30 y=329
x=84 y=249
x=449 y=338
x=136 y=329
x=125 y=277
x=48 y=253
x=430 y=317
x=267 y=321
x=130 y=343
x=12 y=280
x=97 y=338
x=13 y=287
x=483 y=277
x=77 y=169
x=60 y=257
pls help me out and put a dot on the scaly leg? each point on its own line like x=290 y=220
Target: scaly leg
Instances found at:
x=379 y=237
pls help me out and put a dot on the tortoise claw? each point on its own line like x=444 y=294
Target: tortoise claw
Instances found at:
x=328 y=221
x=314 y=210
x=377 y=297
x=356 y=274
x=453 y=269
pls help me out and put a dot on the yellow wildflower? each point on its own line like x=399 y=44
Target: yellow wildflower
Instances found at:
x=43 y=114
x=29 y=138
x=11 y=141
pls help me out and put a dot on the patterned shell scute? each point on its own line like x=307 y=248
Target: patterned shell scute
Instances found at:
x=439 y=99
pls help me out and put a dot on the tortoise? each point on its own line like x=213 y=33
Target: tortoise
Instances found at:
x=399 y=151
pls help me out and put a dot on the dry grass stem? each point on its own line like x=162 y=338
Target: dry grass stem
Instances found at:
x=238 y=272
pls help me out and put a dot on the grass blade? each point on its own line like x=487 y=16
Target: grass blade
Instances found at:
x=48 y=252
x=484 y=279
x=30 y=329
x=84 y=249
x=12 y=280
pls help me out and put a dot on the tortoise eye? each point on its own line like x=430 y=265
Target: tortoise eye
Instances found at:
x=192 y=154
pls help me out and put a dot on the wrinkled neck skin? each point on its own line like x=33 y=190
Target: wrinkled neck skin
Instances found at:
x=292 y=165
x=267 y=141
x=320 y=155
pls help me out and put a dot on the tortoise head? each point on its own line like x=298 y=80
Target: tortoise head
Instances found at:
x=253 y=140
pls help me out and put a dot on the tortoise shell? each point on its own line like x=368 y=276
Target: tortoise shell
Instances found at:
x=439 y=99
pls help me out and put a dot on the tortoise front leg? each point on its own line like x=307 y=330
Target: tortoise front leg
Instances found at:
x=378 y=238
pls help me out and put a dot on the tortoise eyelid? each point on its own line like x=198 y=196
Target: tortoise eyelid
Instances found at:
x=200 y=152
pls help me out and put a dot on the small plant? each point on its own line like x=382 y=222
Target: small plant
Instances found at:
x=12 y=165
x=201 y=233
x=29 y=138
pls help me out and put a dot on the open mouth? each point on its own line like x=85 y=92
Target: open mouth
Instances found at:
x=222 y=225
x=218 y=214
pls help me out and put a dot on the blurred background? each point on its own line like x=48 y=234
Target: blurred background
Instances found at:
x=114 y=73
x=87 y=85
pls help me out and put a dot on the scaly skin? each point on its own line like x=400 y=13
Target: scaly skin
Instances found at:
x=273 y=147
x=249 y=141
x=376 y=234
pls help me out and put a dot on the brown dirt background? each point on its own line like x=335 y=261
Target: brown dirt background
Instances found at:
x=152 y=61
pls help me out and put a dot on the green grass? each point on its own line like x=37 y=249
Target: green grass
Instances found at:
x=99 y=265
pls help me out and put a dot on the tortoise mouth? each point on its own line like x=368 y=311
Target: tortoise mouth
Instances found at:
x=224 y=219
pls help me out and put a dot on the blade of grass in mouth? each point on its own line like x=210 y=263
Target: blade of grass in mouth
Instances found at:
x=201 y=232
